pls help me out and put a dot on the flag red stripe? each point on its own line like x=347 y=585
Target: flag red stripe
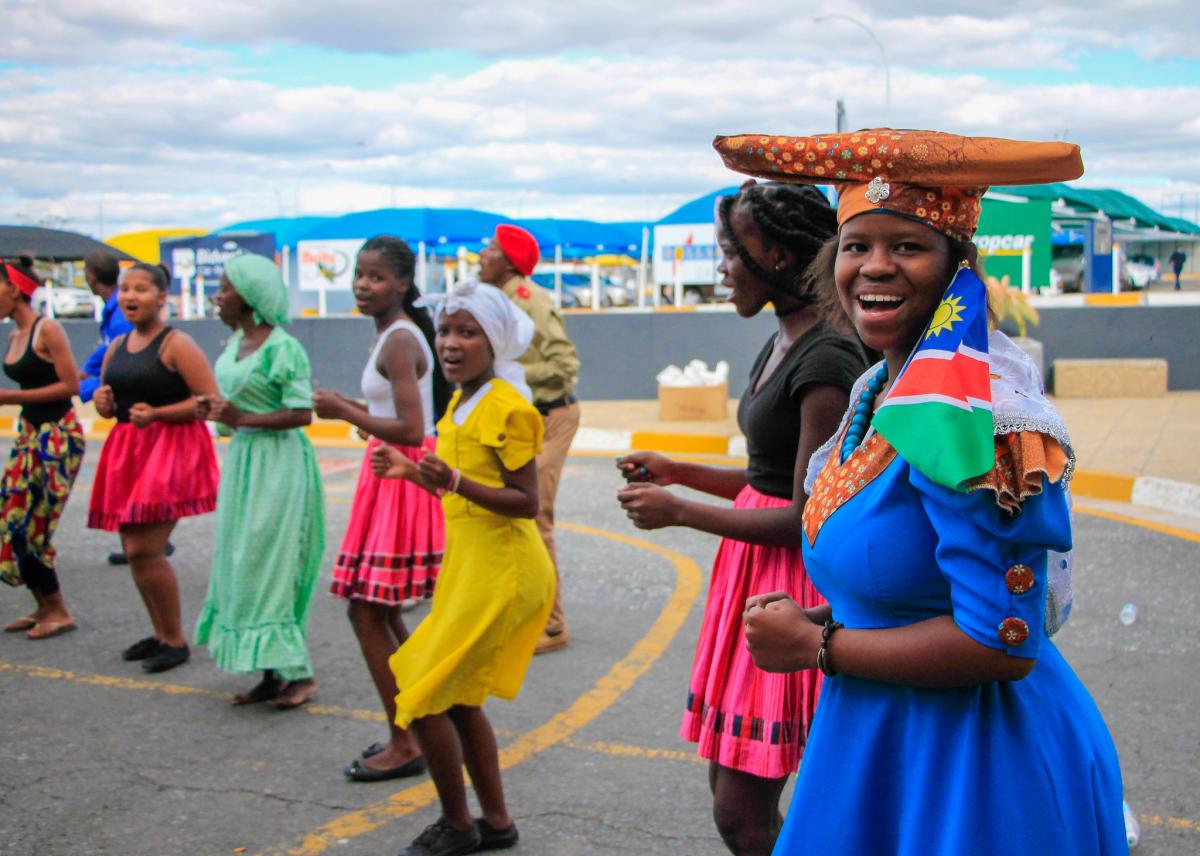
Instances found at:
x=961 y=377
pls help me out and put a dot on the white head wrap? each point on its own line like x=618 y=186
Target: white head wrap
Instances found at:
x=508 y=329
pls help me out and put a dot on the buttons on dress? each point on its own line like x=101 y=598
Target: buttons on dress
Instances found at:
x=1013 y=631
x=1018 y=579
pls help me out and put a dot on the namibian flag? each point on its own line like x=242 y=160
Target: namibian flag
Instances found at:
x=938 y=413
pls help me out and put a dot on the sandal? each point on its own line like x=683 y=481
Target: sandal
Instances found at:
x=263 y=691
x=294 y=694
x=49 y=629
x=25 y=622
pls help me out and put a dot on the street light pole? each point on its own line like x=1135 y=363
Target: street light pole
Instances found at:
x=887 y=69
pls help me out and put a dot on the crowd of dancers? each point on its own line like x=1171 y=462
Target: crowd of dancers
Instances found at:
x=889 y=628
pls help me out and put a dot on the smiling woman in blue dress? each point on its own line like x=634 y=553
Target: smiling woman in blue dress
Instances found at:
x=948 y=723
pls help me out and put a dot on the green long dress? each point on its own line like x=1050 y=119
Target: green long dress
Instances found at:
x=270 y=538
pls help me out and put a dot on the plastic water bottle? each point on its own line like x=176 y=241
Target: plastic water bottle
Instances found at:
x=1128 y=614
x=1133 y=829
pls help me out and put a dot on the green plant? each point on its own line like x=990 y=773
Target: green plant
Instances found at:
x=1009 y=303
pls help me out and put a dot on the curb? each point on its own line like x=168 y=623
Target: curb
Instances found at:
x=1143 y=491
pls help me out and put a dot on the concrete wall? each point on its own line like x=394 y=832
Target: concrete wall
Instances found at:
x=622 y=352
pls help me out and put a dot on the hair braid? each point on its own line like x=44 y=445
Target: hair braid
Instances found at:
x=400 y=258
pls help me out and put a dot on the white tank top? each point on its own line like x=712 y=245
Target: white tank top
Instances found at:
x=377 y=389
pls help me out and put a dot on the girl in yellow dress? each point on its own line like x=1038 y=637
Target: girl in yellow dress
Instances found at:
x=497 y=582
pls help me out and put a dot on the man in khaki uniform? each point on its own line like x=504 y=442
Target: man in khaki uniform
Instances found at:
x=551 y=370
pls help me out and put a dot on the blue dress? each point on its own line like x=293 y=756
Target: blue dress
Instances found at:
x=1025 y=767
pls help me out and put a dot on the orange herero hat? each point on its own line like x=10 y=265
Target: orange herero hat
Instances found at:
x=931 y=176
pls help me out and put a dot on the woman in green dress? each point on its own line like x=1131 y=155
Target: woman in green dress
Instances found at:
x=270 y=538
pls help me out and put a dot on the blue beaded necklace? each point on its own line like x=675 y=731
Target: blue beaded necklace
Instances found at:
x=863 y=413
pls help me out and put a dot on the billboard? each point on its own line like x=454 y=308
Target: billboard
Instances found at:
x=690 y=249
x=201 y=260
x=326 y=265
x=1006 y=230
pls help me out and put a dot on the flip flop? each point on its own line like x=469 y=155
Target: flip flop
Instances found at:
x=290 y=698
x=25 y=622
x=256 y=695
x=360 y=772
x=49 y=629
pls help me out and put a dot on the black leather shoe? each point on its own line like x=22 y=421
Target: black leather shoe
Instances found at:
x=442 y=839
x=166 y=658
x=360 y=772
x=491 y=838
x=142 y=649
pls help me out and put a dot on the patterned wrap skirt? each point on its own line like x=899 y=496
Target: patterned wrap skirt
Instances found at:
x=392 y=550
x=155 y=474
x=36 y=485
x=740 y=716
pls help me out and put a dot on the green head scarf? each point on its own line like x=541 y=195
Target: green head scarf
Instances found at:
x=256 y=279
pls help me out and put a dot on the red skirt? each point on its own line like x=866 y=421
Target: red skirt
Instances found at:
x=393 y=546
x=740 y=716
x=155 y=474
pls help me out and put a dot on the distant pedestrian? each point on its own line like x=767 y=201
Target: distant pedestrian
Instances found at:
x=157 y=464
x=45 y=456
x=392 y=549
x=270 y=529
x=551 y=370
x=497 y=583
x=1176 y=261
x=751 y=725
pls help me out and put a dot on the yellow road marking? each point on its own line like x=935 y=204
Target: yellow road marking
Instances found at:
x=1173 y=531
x=560 y=727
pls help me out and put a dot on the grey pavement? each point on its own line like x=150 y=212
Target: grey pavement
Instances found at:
x=98 y=758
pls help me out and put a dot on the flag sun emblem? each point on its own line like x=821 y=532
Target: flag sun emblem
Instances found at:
x=948 y=311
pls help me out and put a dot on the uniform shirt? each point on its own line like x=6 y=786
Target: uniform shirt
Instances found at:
x=551 y=363
x=112 y=324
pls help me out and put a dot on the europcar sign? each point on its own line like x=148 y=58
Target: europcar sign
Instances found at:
x=1007 y=230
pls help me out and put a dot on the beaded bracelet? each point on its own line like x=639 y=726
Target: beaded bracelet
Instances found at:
x=827 y=632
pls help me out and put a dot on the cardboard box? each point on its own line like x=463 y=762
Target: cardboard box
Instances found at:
x=693 y=403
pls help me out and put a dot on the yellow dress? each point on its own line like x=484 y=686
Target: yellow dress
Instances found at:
x=497 y=582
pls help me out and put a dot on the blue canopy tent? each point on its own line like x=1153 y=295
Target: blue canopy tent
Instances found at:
x=287 y=230
x=702 y=210
x=442 y=230
x=583 y=238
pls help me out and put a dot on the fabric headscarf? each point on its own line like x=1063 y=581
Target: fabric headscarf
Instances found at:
x=24 y=283
x=258 y=281
x=508 y=329
x=929 y=176
x=519 y=247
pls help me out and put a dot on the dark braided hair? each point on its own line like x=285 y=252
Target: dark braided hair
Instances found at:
x=399 y=256
x=795 y=216
x=158 y=273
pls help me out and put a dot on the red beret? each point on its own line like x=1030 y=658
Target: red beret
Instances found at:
x=520 y=247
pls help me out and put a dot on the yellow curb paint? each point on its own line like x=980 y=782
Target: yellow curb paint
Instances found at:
x=1130 y=299
x=710 y=444
x=1173 y=531
x=1169 y=822
x=329 y=430
x=558 y=729
x=8 y=423
x=621 y=750
x=1100 y=484
x=722 y=460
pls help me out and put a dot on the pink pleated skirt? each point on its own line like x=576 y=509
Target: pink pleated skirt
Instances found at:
x=393 y=546
x=738 y=715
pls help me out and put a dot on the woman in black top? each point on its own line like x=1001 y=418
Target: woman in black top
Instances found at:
x=45 y=456
x=157 y=464
x=750 y=725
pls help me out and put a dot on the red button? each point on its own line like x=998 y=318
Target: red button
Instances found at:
x=1013 y=631
x=1019 y=579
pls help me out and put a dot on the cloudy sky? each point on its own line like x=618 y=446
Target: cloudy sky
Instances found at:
x=117 y=115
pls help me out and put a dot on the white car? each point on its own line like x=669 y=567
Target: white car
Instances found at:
x=69 y=301
x=1139 y=271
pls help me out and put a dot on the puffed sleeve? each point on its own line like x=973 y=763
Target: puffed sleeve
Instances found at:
x=995 y=563
x=513 y=428
x=288 y=369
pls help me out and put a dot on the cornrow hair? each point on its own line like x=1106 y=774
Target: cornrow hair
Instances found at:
x=399 y=256
x=798 y=217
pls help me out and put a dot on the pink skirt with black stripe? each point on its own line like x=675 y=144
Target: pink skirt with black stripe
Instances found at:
x=393 y=546
x=740 y=716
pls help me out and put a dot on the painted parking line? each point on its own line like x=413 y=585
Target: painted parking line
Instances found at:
x=1173 y=531
x=559 y=729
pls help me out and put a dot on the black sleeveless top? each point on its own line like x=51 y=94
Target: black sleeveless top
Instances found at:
x=142 y=377
x=31 y=371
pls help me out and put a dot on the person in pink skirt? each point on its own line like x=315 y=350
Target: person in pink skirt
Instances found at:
x=749 y=724
x=393 y=545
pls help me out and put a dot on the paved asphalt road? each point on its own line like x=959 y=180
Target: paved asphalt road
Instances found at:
x=97 y=757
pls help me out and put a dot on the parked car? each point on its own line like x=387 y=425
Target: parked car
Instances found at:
x=1066 y=267
x=70 y=301
x=1139 y=271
